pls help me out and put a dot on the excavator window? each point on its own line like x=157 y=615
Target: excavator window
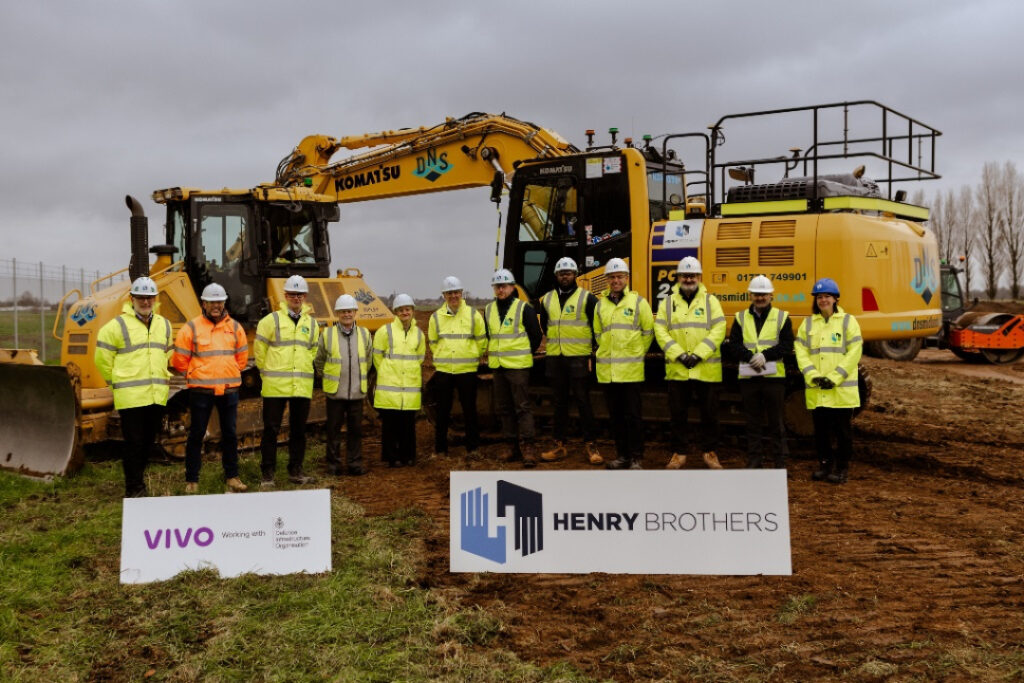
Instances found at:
x=292 y=237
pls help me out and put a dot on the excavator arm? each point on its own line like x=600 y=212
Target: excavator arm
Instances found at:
x=459 y=153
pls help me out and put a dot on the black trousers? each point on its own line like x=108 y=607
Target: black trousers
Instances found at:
x=445 y=386
x=139 y=427
x=626 y=418
x=200 y=408
x=570 y=376
x=680 y=395
x=351 y=413
x=834 y=423
x=512 y=401
x=398 y=436
x=763 y=401
x=273 y=415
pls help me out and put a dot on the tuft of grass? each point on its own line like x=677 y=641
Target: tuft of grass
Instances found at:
x=797 y=606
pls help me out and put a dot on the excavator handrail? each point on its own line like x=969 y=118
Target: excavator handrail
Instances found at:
x=60 y=308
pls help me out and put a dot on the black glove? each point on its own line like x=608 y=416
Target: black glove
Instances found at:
x=825 y=383
x=691 y=361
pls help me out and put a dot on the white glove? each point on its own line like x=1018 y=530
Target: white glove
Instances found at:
x=757 y=362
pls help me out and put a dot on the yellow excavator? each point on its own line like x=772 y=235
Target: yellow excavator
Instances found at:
x=248 y=240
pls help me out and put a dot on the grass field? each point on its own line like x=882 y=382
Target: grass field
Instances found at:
x=65 y=617
x=29 y=324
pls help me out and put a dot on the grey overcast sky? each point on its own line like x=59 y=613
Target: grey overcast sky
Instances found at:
x=103 y=99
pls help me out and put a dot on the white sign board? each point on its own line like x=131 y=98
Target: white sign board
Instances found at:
x=261 y=533
x=629 y=522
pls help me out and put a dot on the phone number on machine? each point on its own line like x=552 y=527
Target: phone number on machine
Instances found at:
x=744 y=277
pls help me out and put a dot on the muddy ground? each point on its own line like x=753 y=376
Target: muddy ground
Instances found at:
x=914 y=570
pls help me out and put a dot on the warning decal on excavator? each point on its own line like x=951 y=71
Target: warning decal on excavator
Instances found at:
x=879 y=250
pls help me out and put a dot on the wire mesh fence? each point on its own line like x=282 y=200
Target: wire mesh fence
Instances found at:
x=30 y=294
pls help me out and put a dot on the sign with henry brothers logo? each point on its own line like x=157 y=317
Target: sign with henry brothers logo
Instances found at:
x=632 y=522
x=261 y=533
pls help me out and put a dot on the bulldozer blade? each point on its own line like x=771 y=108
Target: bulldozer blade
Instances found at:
x=38 y=420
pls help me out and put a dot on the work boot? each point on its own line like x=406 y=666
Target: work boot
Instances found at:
x=711 y=460
x=780 y=462
x=593 y=454
x=619 y=463
x=473 y=454
x=191 y=487
x=529 y=455
x=356 y=470
x=300 y=478
x=677 y=461
x=267 y=485
x=234 y=485
x=822 y=473
x=635 y=464
x=556 y=453
x=514 y=454
x=837 y=478
x=437 y=454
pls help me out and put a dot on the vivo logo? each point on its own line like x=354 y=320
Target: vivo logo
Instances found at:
x=202 y=537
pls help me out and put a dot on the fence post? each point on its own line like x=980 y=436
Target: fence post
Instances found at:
x=14 y=277
x=42 y=316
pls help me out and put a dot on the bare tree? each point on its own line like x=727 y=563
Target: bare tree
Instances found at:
x=963 y=228
x=990 y=194
x=949 y=215
x=938 y=221
x=1012 y=225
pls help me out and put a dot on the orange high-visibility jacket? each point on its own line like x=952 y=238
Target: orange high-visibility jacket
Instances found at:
x=211 y=356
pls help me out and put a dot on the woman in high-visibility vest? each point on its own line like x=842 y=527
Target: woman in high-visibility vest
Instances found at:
x=828 y=348
x=398 y=351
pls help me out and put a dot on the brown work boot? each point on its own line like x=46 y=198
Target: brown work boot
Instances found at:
x=529 y=455
x=556 y=453
x=235 y=485
x=711 y=460
x=677 y=461
x=191 y=487
x=593 y=454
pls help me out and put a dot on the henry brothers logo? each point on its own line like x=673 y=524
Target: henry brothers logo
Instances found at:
x=475 y=511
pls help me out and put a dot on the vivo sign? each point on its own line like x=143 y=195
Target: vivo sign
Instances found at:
x=202 y=537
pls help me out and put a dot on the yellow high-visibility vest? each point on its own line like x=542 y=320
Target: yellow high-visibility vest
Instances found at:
x=398 y=356
x=508 y=345
x=569 y=332
x=332 y=343
x=624 y=332
x=285 y=351
x=133 y=358
x=766 y=338
x=697 y=328
x=830 y=348
x=457 y=341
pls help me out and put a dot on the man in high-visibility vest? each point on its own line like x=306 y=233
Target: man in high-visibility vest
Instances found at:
x=211 y=350
x=690 y=330
x=761 y=338
x=513 y=335
x=286 y=342
x=398 y=352
x=132 y=351
x=624 y=329
x=566 y=317
x=343 y=358
x=458 y=338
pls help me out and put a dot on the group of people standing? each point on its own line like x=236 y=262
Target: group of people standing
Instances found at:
x=608 y=335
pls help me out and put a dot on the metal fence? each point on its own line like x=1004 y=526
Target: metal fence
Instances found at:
x=30 y=292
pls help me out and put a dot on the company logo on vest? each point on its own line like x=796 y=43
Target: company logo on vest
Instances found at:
x=475 y=511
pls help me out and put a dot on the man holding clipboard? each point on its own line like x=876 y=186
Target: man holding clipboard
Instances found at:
x=761 y=337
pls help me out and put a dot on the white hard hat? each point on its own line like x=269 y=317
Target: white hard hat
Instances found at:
x=296 y=284
x=346 y=302
x=214 y=292
x=402 y=300
x=143 y=286
x=503 y=276
x=451 y=284
x=689 y=265
x=760 y=285
x=566 y=263
x=616 y=265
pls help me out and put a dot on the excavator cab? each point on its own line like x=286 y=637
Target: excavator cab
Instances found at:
x=238 y=240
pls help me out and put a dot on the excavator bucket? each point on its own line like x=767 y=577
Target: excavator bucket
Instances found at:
x=38 y=417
